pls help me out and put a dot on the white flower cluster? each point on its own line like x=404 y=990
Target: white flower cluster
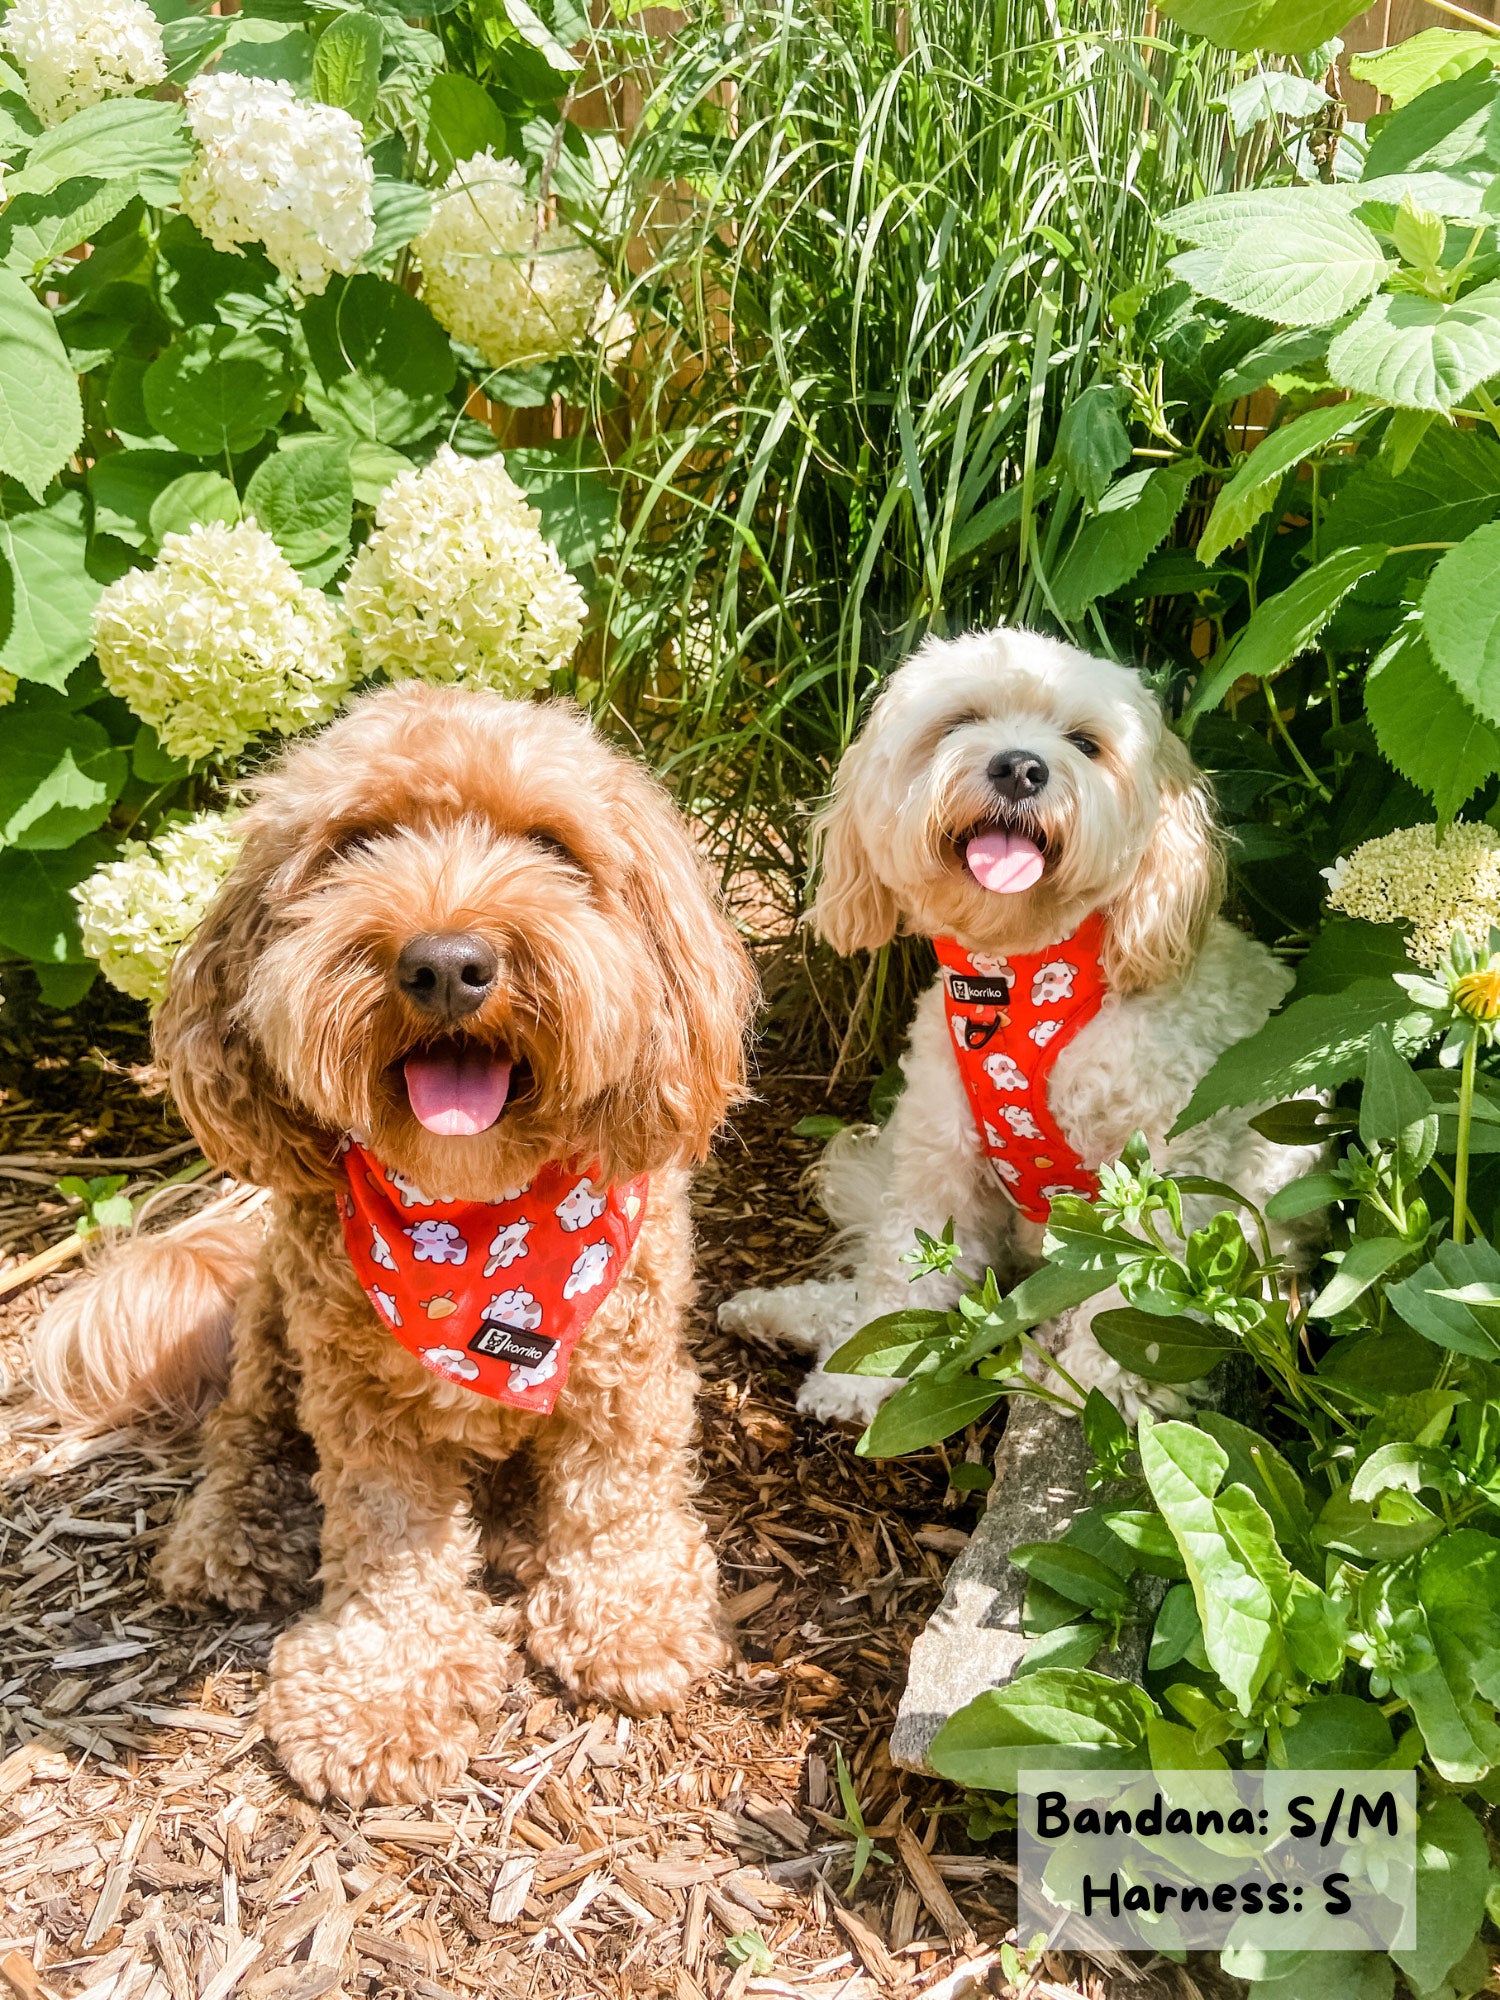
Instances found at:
x=1436 y=886
x=134 y=913
x=517 y=289
x=220 y=641
x=78 y=52
x=457 y=583
x=272 y=168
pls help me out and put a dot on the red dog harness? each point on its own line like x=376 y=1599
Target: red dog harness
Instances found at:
x=1010 y=1018
x=490 y=1294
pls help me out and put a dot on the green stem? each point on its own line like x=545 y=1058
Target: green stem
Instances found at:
x=1461 y=1159
x=1441 y=1173
x=1302 y=764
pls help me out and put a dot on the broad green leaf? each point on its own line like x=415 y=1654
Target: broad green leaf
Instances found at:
x=1253 y=1461
x=59 y=776
x=1366 y=1259
x=534 y=31
x=1450 y=487
x=1132 y=521
x=1335 y=1975
x=1073 y=1573
x=1466 y=1325
x=120 y=138
x=1273 y=93
x=383 y=364
x=278 y=50
x=1418 y=353
x=1313 y=1044
x=462 y=120
x=923 y=1412
x=1338 y=1732
x=1076 y=1269
x=63 y=986
x=1304 y=271
x=1458 y=1730
x=1305 y=1195
x=1453 y=1874
x=1347 y=949
x=1396 y=1107
x=1177 y=1631
x=1279 y=27
x=1255 y=483
x=41 y=415
x=125 y=486
x=1288 y=621
x=1147 y=1537
x=38 y=917
x=303 y=495
x=887 y=1345
x=1437 y=54
x=216 y=390
x=1398 y=1527
x=1220 y=221
x=346 y=64
x=35 y=229
x=1461 y=619
x=1405 y=1468
x=195 y=497
x=1283 y=353
x=51 y=595
x=372 y=467
x=402 y=210
x=1081 y=1719
x=1458 y=1582
x=570 y=492
x=1424 y=726
x=1446 y=128
x=1065 y=1646
x=1092 y=443
x=1159 y=1349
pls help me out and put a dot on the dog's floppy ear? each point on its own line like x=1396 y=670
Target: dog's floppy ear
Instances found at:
x=852 y=908
x=693 y=1062
x=234 y=1105
x=1157 y=923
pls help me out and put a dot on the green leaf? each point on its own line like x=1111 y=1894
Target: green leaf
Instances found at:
x=35 y=229
x=1073 y=1573
x=277 y=50
x=1347 y=949
x=1287 y=622
x=1366 y=1259
x=125 y=486
x=1405 y=1468
x=1354 y=1527
x=51 y=595
x=120 y=138
x=195 y=497
x=1461 y=619
x=1465 y=1325
x=1148 y=1538
x=1220 y=221
x=1092 y=443
x=1418 y=353
x=1306 y=1195
x=1458 y=1582
x=1396 y=1106
x=1302 y=271
x=570 y=492
x=303 y=495
x=1064 y=1646
x=63 y=986
x=1082 y=1719
x=462 y=120
x=1313 y=1044
x=1453 y=1873
x=217 y=390
x=1338 y=1732
x=1132 y=521
x=888 y=1345
x=534 y=31
x=1280 y=27
x=38 y=917
x=1177 y=1631
x=1445 y=129
x=1159 y=1349
x=402 y=211
x=372 y=468
x=59 y=776
x=1255 y=483
x=923 y=1412
x=1076 y=1270
x=1273 y=93
x=1339 y=1975
x=1253 y=1461
x=346 y=64
x=384 y=366
x=1425 y=728
x=1450 y=487
x=41 y=416
x=1437 y=54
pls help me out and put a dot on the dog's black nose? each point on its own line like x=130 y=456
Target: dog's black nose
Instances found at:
x=447 y=973
x=1017 y=774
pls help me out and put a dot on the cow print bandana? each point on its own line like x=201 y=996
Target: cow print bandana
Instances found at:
x=1010 y=1018
x=493 y=1295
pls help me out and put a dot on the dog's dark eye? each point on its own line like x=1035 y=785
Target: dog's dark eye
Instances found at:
x=1084 y=743
x=557 y=849
x=965 y=721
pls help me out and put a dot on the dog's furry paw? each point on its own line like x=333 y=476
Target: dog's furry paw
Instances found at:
x=816 y=1314
x=358 y=1712
x=225 y=1549
x=639 y=1635
x=843 y=1399
x=649 y=1671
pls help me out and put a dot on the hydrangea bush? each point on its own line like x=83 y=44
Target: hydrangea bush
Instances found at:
x=264 y=281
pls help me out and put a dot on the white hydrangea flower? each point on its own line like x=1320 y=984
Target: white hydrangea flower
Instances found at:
x=517 y=288
x=457 y=584
x=134 y=913
x=1436 y=886
x=78 y=52
x=274 y=169
x=221 y=641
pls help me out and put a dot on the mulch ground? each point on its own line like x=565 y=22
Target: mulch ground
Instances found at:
x=151 y=1849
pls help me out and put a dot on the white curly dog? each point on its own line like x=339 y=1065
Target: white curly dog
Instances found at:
x=1065 y=764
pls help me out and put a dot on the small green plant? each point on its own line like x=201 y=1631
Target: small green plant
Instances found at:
x=853 y=1823
x=103 y=1204
x=750 y=1948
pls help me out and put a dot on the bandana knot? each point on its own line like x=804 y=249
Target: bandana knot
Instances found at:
x=1009 y=1019
x=494 y=1295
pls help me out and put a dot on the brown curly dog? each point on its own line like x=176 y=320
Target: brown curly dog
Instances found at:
x=598 y=967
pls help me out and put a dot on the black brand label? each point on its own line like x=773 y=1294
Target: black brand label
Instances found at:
x=511 y=1343
x=978 y=992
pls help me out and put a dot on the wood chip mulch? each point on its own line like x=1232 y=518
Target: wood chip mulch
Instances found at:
x=151 y=1849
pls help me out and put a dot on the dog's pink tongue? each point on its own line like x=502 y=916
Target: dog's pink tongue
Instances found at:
x=457 y=1092
x=1005 y=862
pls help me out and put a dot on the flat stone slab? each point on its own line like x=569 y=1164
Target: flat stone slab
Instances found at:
x=974 y=1640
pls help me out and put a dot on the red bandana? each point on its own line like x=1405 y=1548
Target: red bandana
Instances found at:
x=490 y=1294
x=1010 y=1018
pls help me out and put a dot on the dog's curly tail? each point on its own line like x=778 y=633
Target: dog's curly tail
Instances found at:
x=144 y=1334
